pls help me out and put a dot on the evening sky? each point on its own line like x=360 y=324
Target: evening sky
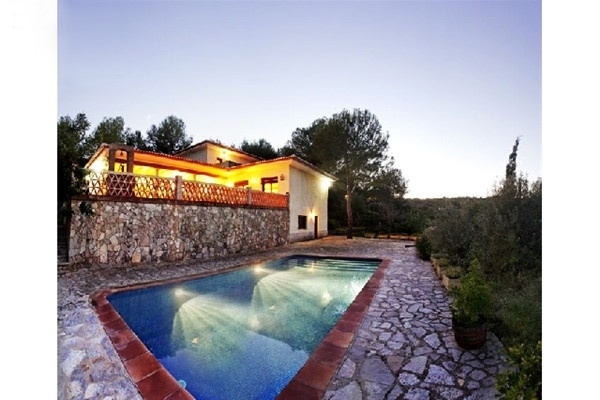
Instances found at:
x=454 y=83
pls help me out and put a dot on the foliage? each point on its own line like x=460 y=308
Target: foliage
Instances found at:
x=71 y=136
x=412 y=221
x=439 y=255
x=443 y=262
x=453 y=272
x=454 y=231
x=302 y=142
x=349 y=145
x=169 y=137
x=421 y=213
x=75 y=146
x=86 y=208
x=473 y=298
x=109 y=130
x=136 y=140
x=510 y=238
x=523 y=381
x=384 y=195
x=260 y=148
x=423 y=247
x=518 y=308
x=504 y=233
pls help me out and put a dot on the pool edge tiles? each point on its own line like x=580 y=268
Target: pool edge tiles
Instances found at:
x=314 y=376
x=155 y=382
x=152 y=380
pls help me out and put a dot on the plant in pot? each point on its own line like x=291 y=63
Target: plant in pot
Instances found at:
x=471 y=307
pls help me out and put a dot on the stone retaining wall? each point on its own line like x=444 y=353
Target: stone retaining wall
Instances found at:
x=133 y=232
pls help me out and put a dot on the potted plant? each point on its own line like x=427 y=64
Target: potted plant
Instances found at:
x=471 y=307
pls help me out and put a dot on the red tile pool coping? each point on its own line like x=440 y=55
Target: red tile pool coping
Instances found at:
x=154 y=382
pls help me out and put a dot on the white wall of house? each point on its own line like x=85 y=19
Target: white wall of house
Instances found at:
x=198 y=154
x=308 y=197
x=305 y=184
x=254 y=173
x=213 y=154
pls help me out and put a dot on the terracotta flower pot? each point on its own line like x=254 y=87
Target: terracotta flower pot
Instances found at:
x=469 y=338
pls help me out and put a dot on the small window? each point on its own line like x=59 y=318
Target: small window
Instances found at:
x=301 y=221
x=270 y=185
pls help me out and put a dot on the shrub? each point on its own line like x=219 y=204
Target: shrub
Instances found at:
x=443 y=262
x=523 y=381
x=423 y=246
x=518 y=309
x=439 y=255
x=453 y=272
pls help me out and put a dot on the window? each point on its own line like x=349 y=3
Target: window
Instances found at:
x=270 y=184
x=301 y=221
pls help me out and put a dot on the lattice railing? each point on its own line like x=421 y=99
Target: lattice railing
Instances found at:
x=198 y=191
x=273 y=200
x=127 y=185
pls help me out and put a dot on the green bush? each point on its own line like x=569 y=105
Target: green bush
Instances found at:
x=518 y=309
x=443 y=262
x=439 y=255
x=423 y=246
x=453 y=272
x=523 y=381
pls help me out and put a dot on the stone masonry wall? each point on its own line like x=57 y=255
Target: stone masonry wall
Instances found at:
x=131 y=232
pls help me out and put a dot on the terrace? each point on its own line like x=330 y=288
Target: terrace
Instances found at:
x=124 y=185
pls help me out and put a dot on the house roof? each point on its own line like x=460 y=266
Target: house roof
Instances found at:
x=293 y=158
x=182 y=161
x=147 y=156
x=204 y=143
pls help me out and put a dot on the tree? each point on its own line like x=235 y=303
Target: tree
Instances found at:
x=301 y=143
x=135 y=139
x=110 y=130
x=349 y=145
x=169 y=137
x=71 y=157
x=385 y=192
x=260 y=148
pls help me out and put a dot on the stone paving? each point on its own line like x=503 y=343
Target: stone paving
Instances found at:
x=404 y=349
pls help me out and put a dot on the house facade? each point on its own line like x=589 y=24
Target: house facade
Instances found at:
x=209 y=172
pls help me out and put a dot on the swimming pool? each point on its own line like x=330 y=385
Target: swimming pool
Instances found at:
x=244 y=333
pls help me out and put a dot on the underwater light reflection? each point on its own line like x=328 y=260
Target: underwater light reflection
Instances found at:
x=272 y=315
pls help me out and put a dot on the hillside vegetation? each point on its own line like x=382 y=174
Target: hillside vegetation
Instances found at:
x=504 y=233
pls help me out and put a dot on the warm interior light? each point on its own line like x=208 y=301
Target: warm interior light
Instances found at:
x=101 y=164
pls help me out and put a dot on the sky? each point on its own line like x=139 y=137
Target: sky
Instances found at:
x=453 y=83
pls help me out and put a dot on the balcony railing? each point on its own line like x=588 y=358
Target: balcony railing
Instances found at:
x=130 y=186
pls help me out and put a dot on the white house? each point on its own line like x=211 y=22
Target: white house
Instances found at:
x=231 y=172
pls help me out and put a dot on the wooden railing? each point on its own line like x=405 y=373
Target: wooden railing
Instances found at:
x=127 y=185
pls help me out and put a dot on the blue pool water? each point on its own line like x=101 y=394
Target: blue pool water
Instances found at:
x=244 y=334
